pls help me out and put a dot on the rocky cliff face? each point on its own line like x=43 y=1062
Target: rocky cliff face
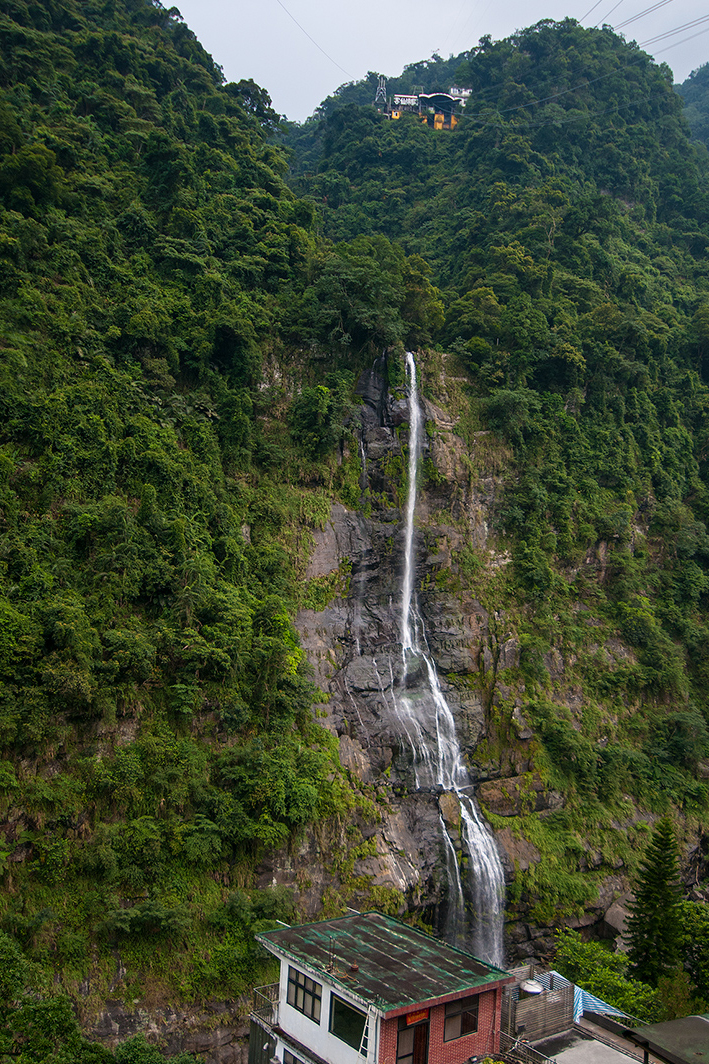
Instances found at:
x=391 y=854
x=353 y=645
x=217 y=1032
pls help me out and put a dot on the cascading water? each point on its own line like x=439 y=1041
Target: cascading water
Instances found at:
x=476 y=897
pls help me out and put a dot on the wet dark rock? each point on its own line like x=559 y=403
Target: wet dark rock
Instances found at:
x=615 y=918
x=516 y=933
x=399 y=412
x=215 y=1031
x=354 y=647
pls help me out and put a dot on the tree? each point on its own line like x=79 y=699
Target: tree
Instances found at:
x=596 y=968
x=695 y=944
x=654 y=926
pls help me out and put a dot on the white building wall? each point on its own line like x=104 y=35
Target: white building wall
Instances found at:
x=316 y=1036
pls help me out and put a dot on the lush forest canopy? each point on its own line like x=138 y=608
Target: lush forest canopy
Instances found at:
x=182 y=324
x=564 y=222
x=157 y=499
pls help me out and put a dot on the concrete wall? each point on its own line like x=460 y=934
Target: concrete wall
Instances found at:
x=317 y=1036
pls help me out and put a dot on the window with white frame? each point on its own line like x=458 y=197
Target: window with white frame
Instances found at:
x=347 y=1022
x=304 y=994
x=288 y=1058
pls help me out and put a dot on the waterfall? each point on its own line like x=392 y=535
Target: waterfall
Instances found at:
x=476 y=891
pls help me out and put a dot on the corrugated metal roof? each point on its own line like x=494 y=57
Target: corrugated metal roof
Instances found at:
x=684 y=1041
x=397 y=966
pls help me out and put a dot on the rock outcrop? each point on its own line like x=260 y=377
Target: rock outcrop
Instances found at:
x=354 y=643
x=217 y=1032
x=354 y=647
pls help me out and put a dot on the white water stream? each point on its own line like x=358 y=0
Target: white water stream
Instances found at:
x=476 y=890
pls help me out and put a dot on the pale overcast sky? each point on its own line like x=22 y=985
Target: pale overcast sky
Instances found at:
x=340 y=42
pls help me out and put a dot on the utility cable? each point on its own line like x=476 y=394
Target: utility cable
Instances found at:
x=671 y=33
x=589 y=11
x=641 y=14
x=483 y=120
x=572 y=118
x=606 y=15
x=466 y=16
x=312 y=40
x=684 y=41
x=563 y=92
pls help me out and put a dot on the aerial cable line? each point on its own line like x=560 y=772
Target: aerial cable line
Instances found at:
x=641 y=14
x=312 y=40
x=577 y=117
x=683 y=41
x=466 y=19
x=590 y=11
x=671 y=33
x=480 y=118
x=606 y=15
x=471 y=15
x=564 y=92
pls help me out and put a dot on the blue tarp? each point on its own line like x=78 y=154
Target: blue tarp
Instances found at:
x=583 y=1000
x=586 y=1002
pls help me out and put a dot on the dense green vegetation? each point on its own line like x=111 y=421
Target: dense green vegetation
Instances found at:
x=158 y=490
x=595 y=967
x=663 y=974
x=565 y=222
x=37 y=1028
x=182 y=325
x=695 y=93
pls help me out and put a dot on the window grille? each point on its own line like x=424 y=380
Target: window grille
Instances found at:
x=304 y=994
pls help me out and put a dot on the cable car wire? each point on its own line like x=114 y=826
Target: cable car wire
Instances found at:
x=671 y=33
x=642 y=14
x=312 y=39
x=684 y=41
x=606 y=16
x=589 y=11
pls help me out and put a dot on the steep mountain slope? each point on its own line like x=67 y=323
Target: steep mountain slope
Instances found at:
x=565 y=222
x=203 y=441
x=694 y=92
x=157 y=503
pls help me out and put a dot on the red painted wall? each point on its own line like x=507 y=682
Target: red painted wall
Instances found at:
x=485 y=1040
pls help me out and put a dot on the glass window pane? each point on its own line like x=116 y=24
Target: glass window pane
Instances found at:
x=406 y=1041
x=452 y=1028
x=470 y=1020
x=305 y=1000
x=347 y=1022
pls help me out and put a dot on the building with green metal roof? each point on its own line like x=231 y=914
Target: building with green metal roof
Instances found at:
x=369 y=988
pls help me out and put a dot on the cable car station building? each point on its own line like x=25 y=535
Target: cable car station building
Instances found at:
x=436 y=109
x=368 y=989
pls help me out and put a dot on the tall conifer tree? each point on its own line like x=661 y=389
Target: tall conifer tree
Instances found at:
x=655 y=924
